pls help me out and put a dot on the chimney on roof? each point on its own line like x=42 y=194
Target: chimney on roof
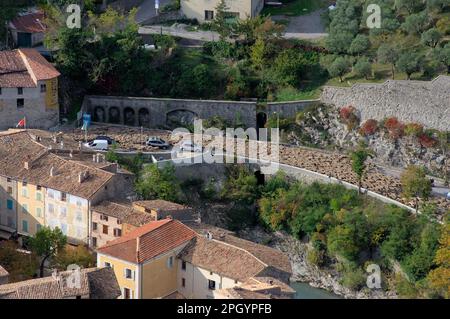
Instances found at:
x=52 y=171
x=26 y=165
x=82 y=176
x=138 y=243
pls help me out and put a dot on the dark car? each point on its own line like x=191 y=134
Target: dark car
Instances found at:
x=157 y=142
x=105 y=138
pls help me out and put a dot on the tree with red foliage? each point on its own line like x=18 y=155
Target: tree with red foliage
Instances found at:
x=349 y=117
x=427 y=141
x=369 y=127
x=394 y=127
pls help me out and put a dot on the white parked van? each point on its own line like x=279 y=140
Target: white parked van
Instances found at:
x=100 y=145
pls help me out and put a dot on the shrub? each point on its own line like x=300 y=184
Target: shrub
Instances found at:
x=413 y=129
x=394 y=127
x=354 y=278
x=316 y=257
x=349 y=117
x=427 y=141
x=369 y=127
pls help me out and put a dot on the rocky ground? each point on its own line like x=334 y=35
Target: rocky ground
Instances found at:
x=302 y=271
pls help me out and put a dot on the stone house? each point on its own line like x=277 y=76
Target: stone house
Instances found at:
x=205 y=10
x=168 y=259
x=28 y=89
x=28 y=28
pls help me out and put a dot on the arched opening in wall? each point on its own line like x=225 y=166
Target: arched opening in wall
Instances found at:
x=114 y=115
x=129 y=116
x=144 y=118
x=261 y=120
x=99 y=114
x=183 y=118
x=260 y=178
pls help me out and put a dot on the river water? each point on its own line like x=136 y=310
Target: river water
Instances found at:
x=305 y=291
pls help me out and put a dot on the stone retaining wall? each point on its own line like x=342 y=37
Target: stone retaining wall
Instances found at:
x=425 y=102
x=169 y=113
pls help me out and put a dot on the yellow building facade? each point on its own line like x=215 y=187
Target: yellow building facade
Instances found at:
x=30 y=208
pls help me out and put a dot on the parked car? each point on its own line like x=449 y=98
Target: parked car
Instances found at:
x=105 y=138
x=189 y=146
x=157 y=142
x=101 y=145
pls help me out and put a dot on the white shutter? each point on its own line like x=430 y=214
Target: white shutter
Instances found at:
x=134 y=275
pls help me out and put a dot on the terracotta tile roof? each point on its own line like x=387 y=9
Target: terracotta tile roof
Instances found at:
x=39 y=68
x=166 y=209
x=23 y=68
x=259 y=288
x=18 y=147
x=149 y=241
x=221 y=258
x=13 y=72
x=160 y=205
x=95 y=283
x=31 y=22
x=102 y=283
x=269 y=256
x=3 y=272
x=123 y=211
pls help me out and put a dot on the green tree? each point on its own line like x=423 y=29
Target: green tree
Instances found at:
x=439 y=278
x=431 y=37
x=21 y=266
x=359 y=45
x=339 y=68
x=359 y=158
x=421 y=261
x=363 y=68
x=443 y=56
x=410 y=6
x=409 y=62
x=79 y=255
x=415 y=24
x=46 y=243
x=158 y=183
x=240 y=185
x=339 y=42
x=415 y=183
x=388 y=54
x=221 y=23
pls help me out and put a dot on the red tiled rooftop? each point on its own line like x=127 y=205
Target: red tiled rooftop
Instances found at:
x=32 y=22
x=23 y=68
x=155 y=238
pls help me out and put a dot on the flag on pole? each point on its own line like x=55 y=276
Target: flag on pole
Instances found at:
x=22 y=123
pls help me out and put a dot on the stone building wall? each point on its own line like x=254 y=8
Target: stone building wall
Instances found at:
x=425 y=102
x=37 y=114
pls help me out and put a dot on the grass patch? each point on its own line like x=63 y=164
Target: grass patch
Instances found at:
x=292 y=94
x=294 y=7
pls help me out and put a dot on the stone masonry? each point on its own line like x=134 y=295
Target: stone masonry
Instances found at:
x=423 y=102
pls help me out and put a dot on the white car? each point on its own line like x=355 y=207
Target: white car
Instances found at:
x=100 y=145
x=189 y=146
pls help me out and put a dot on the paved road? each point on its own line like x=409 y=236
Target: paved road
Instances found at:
x=305 y=26
x=300 y=27
x=147 y=9
x=438 y=190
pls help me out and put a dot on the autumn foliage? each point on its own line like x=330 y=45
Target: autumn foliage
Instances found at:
x=413 y=129
x=349 y=117
x=427 y=141
x=369 y=127
x=395 y=128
